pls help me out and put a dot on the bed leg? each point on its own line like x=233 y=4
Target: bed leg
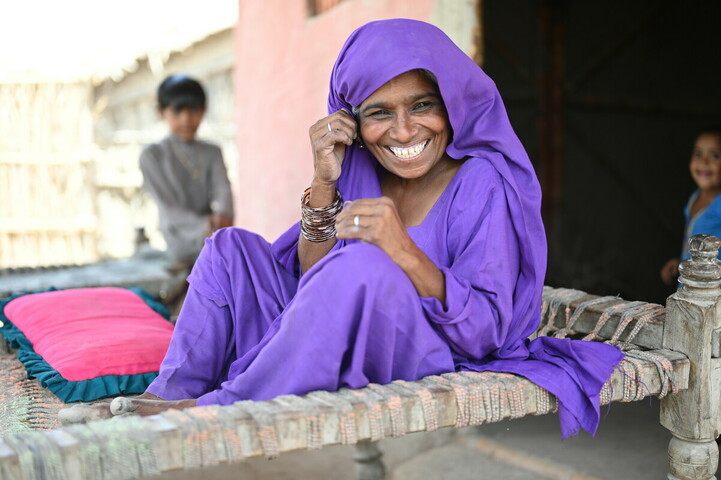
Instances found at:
x=692 y=315
x=368 y=463
x=689 y=460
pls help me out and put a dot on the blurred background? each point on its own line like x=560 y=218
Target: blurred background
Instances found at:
x=606 y=96
x=78 y=82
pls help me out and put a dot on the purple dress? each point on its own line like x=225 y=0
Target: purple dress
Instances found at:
x=253 y=328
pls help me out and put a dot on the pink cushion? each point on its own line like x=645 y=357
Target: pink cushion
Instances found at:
x=88 y=332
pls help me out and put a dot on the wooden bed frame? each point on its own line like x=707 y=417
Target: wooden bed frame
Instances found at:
x=672 y=353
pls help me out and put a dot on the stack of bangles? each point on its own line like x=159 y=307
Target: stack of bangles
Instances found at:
x=318 y=224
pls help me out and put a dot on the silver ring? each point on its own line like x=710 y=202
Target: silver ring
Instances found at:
x=330 y=130
x=356 y=221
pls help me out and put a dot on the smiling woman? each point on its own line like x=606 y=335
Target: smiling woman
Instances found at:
x=420 y=250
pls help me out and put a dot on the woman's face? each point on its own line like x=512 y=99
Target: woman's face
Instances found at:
x=404 y=124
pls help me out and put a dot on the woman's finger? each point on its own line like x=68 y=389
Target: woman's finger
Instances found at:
x=336 y=121
x=373 y=220
x=367 y=206
x=340 y=136
x=357 y=227
x=342 y=121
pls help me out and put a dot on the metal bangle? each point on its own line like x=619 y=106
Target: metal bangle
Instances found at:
x=318 y=224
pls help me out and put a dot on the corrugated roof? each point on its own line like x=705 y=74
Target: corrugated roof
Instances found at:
x=79 y=40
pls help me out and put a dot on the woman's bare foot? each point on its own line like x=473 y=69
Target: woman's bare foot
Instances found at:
x=84 y=412
x=147 y=406
x=144 y=404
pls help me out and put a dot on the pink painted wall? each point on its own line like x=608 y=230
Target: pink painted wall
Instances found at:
x=283 y=64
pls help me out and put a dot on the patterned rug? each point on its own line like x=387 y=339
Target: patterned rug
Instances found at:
x=24 y=404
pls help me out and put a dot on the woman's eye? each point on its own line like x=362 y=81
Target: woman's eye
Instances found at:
x=379 y=114
x=422 y=106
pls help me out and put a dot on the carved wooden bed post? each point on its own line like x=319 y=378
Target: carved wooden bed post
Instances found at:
x=692 y=322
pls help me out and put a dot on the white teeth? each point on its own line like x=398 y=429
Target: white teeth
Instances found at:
x=409 y=152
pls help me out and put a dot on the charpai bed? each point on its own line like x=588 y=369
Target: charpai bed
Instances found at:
x=672 y=353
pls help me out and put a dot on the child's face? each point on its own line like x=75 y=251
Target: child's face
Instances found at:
x=705 y=163
x=183 y=123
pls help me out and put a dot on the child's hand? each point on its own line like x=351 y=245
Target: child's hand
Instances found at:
x=669 y=271
x=217 y=221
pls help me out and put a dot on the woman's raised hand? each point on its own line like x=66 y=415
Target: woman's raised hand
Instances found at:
x=329 y=137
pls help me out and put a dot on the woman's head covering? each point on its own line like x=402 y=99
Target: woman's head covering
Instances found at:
x=379 y=51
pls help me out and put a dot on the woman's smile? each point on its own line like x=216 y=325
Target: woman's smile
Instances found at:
x=408 y=153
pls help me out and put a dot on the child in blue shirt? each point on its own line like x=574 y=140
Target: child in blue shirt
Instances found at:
x=703 y=210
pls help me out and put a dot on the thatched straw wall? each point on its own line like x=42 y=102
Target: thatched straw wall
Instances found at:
x=47 y=207
x=70 y=186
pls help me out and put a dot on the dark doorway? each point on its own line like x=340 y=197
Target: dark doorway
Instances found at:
x=607 y=97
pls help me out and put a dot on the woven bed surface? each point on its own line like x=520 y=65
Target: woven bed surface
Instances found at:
x=129 y=447
x=24 y=404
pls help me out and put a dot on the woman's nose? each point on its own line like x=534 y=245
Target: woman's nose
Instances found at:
x=403 y=129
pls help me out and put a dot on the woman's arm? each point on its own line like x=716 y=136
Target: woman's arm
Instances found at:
x=329 y=138
x=309 y=253
x=487 y=296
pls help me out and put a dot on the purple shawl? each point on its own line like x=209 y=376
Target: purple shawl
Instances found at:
x=574 y=371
